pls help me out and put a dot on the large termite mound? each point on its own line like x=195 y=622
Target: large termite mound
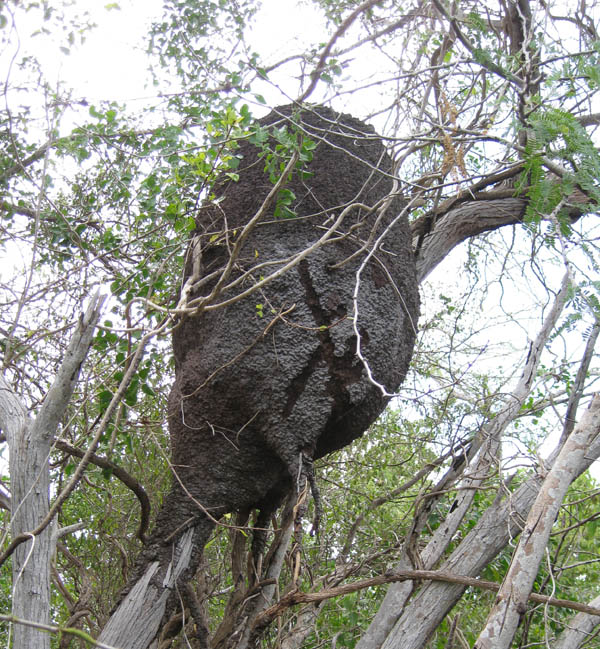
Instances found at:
x=267 y=381
x=272 y=381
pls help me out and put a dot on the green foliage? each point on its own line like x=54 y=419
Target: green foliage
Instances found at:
x=277 y=152
x=556 y=135
x=192 y=45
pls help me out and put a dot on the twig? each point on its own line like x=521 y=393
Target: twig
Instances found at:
x=51 y=628
x=316 y=73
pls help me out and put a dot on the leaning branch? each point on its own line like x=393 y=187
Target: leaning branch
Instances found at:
x=510 y=604
x=298 y=597
x=59 y=394
x=57 y=630
x=127 y=479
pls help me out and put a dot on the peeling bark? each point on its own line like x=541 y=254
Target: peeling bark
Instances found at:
x=137 y=621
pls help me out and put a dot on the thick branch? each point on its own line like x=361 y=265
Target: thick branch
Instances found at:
x=463 y=222
x=579 y=630
x=499 y=524
x=489 y=439
x=464 y=218
x=59 y=394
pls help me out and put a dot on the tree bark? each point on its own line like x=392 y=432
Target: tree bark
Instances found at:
x=579 y=630
x=30 y=443
x=136 y=622
x=511 y=602
x=398 y=593
x=462 y=222
x=436 y=235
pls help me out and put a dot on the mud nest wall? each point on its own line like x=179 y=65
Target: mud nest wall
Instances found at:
x=273 y=380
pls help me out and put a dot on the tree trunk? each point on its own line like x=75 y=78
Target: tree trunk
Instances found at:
x=30 y=443
x=579 y=630
x=30 y=479
x=136 y=622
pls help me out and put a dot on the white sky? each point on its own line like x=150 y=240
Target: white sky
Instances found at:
x=111 y=64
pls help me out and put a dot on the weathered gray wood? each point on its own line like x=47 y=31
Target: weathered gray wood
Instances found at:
x=511 y=602
x=30 y=442
x=498 y=525
x=489 y=440
x=136 y=622
x=579 y=630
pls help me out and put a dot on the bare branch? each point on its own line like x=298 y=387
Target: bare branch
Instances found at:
x=57 y=630
x=298 y=597
x=316 y=74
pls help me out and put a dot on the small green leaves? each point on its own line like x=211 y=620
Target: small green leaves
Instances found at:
x=285 y=199
x=287 y=144
x=557 y=135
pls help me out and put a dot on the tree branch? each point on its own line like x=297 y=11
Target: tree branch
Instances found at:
x=479 y=56
x=51 y=628
x=59 y=394
x=21 y=165
x=298 y=597
x=316 y=73
x=29 y=441
x=510 y=605
x=120 y=473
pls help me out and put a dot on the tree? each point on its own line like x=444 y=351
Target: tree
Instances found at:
x=488 y=113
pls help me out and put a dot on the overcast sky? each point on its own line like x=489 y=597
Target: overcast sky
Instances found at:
x=112 y=63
